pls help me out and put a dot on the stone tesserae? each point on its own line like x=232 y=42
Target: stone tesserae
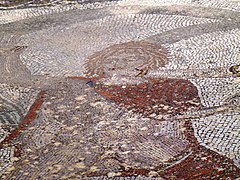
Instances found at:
x=121 y=89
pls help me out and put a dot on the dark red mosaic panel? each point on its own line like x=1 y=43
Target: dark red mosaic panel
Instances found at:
x=158 y=96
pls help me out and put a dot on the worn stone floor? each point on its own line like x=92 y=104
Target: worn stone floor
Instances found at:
x=123 y=89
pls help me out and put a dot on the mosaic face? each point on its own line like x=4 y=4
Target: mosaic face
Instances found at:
x=128 y=89
x=125 y=59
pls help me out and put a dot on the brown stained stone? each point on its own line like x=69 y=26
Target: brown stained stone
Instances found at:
x=159 y=96
x=124 y=59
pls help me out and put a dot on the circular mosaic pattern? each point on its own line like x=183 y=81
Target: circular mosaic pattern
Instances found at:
x=126 y=59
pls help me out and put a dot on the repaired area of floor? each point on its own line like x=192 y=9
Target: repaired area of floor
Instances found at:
x=121 y=89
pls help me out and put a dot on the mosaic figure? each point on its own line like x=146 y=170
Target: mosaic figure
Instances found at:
x=123 y=89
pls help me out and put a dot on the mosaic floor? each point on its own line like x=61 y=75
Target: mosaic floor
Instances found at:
x=123 y=89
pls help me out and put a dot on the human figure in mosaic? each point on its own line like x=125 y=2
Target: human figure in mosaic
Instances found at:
x=169 y=138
